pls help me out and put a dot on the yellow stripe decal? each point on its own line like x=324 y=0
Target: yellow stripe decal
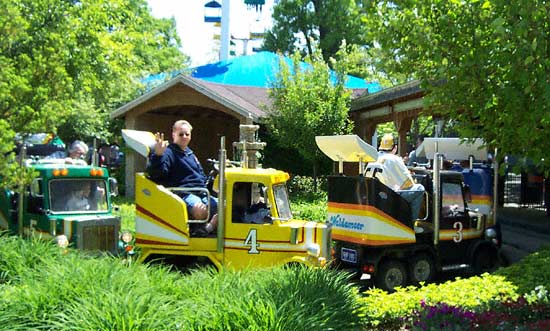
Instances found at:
x=466 y=234
x=367 y=225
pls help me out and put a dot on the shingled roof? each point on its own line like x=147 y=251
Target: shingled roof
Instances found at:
x=244 y=100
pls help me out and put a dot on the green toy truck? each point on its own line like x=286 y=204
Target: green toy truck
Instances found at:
x=66 y=202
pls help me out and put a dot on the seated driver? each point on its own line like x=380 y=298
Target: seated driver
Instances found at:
x=396 y=175
x=175 y=165
x=80 y=198
x=245 y=211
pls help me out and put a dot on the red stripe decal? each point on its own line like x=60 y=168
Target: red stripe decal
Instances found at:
x=160 y=220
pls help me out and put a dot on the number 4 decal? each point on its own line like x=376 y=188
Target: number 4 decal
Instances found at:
x=251 y=240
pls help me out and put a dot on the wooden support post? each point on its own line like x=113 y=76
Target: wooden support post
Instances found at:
x=403 y=125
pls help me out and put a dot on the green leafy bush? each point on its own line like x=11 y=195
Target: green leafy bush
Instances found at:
x=384 y=310
x=303 y=188
x=18 y=257
x=511 y=290
x=310 y=210
x=126 y=209
x=530 y=272
x=528 y=312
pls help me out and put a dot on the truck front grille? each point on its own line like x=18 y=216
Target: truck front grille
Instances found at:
x=98 y=235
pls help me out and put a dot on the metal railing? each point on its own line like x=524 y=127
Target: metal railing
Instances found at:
x=525 y=191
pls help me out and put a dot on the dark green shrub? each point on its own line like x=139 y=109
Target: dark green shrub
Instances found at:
x=315 y=210
x=530 y=272
x=303 y=188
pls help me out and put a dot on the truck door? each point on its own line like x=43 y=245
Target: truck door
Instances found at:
x=35 y=210
x=455 y=229
x=251 y=238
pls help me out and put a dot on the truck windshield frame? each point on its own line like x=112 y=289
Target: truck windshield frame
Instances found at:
x=282 y=203
x=78 y=195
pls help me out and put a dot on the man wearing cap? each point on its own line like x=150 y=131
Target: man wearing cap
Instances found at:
x=396 y=175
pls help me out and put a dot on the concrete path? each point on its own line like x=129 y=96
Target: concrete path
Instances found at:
x=523 y=231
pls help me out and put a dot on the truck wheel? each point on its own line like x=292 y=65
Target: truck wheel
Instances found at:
x=422 y=268
x=390 y=275
x=485 y=259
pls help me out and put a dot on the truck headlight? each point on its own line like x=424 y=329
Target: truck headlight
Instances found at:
x=62 y=241
x=313 y=249
x=490 y=233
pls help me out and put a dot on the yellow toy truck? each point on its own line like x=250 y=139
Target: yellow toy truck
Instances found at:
x=255 y=223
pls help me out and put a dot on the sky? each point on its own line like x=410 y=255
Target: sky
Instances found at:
x=197 y=37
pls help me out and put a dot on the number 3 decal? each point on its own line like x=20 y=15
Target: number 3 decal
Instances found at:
x=252 y=242
x=457 y=237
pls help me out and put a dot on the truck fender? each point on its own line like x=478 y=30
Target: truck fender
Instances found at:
x=479 y=247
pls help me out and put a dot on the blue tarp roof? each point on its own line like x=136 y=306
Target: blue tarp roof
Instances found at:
x=257 y=70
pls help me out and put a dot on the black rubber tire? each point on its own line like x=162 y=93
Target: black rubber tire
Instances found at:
x=485 y=259
x=421 y=268
x=391 y=274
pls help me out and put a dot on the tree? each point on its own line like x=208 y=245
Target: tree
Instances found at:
x=308 y=100
x=67 y=64
x=298 y=25
x=484 y=64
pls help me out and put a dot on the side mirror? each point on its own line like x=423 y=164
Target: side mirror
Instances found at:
x=113 y=186
x=36 y=188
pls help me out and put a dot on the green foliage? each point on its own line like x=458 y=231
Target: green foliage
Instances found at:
x=18 y=256
x=326 y=23
x=67 y=64
x=306 y=202
x=306 y=103
x=277 y=154
x=126 y=210
x=315 y=210
x=276 y=299
x=386 y=310
x=530 y=272
x=484 y=64
x=45 y=287
x=74 y=292
x=303 y=188
x=526 y=280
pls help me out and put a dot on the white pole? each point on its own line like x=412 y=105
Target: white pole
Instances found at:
x=224 y=38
